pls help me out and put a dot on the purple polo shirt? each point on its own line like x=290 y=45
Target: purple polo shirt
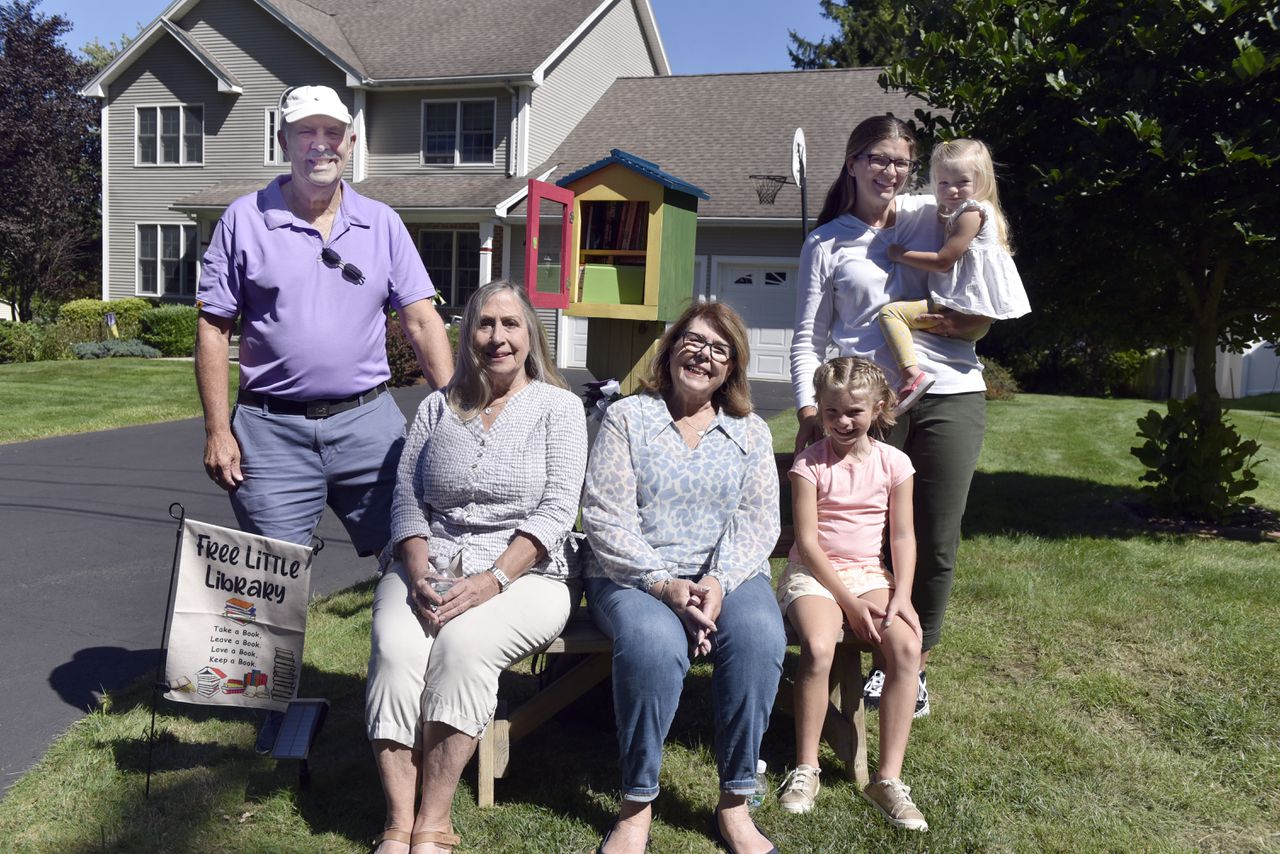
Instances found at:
x=308 y=333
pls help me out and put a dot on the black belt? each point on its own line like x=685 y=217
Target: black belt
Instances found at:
x=309 y=408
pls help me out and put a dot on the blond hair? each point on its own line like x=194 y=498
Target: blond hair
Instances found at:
x=470 y=390
x=857 y=375
x=974 y=153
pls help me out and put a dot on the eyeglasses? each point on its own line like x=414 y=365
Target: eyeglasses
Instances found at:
x=695 y=343
x=350 y=272
x=879 y=163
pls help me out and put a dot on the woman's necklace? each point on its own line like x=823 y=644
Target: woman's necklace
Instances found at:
x=499 y=402
x=688 y=422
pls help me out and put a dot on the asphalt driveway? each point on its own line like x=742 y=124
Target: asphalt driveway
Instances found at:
x=86 y=545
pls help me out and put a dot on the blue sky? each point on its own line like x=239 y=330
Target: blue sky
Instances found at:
x=701 y=36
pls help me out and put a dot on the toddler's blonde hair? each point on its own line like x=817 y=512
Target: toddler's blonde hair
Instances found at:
x=975 y=154
x=857 y=375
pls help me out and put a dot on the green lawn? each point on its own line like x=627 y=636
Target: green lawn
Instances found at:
x=39 y=399
x=1099 y=688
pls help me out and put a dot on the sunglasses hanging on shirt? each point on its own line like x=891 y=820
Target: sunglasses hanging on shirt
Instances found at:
x=350 y=272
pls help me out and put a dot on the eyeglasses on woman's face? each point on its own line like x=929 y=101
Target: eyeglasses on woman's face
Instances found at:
x=880 y=163
x=692 y=342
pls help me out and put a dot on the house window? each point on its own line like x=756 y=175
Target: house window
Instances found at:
x=167 y=260
x=170 y=135
x=272 y=153
x=452 y=259
x=459 y=132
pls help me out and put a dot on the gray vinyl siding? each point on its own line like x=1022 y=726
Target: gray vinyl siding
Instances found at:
x=614 y=47
x=394 y=129
x=263 y=55
x=737 y=241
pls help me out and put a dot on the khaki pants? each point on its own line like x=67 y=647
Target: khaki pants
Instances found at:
x=452 y=677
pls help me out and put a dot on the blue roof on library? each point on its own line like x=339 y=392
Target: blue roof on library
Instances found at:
x=636 y=164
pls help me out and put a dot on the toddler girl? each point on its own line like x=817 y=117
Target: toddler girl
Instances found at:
x=845 y=489
x=973 y=272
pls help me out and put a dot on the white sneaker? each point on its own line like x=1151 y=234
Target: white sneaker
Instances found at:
x=922 y=698
x=872 y=689
x=893 y=798
x=799 y=789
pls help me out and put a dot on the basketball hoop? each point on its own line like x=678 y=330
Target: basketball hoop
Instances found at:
x=767 y=187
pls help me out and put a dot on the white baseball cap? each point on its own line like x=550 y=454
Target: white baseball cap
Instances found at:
x=299 y=102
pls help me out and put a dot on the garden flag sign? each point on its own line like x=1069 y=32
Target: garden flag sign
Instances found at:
x=238 y=619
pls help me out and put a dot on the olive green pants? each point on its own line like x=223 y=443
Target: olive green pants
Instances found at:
x=942 y=434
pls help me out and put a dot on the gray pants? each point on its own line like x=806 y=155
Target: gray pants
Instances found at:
x=942 y=434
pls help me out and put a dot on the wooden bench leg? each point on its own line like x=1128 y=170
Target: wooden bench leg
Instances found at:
x=492 y=754
x=855 y=715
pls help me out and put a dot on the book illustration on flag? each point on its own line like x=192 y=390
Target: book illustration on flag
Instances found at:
x=182 y=684
x=209 y=680
x=253 y=684
x=241 y=611
x=284 y=676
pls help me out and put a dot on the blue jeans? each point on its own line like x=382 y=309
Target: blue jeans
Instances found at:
x=651 y=658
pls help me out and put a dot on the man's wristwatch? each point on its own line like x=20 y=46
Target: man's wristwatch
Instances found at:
x=501 y=577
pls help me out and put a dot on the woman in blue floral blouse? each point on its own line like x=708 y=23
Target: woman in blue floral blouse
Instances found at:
x=681 y=510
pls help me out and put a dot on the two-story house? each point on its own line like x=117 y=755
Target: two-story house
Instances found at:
x=456 y=105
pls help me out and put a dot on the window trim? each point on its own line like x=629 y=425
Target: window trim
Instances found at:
x=271 y=143
x=137 y=249
x=182 y=128
x=457 y=132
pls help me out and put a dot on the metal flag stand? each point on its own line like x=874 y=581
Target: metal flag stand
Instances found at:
x=157 y=685
x=179 y=513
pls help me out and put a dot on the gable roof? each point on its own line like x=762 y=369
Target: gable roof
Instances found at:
x=714 y=130
x=402 y=42
x=652 y=171
x=160 y=27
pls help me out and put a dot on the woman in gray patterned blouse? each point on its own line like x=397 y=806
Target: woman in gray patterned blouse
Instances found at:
x=487 y=491
x=681 y=510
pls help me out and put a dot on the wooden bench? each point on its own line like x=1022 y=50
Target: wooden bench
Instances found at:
x=845 y=728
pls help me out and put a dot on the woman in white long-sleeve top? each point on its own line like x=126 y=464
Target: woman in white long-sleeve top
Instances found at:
x=487 y=490
x=681 y=511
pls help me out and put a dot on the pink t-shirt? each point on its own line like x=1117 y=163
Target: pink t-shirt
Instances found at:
x=853 y=499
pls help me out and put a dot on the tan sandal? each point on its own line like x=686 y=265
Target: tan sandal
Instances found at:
x=435 y=837
x=391 y=836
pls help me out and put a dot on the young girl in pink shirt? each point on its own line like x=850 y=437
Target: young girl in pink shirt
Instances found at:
x=845 y=489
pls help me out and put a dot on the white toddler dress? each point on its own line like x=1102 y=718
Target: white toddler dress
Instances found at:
x=984 y=280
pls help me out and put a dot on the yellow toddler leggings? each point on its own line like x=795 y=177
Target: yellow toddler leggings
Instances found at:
x=897 y=319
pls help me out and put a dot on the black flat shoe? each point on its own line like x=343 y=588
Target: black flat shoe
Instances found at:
x=718 y=835
x=605 y=841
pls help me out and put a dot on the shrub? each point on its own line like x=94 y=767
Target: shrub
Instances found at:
x=1001 y=384
x=37 y=341
x=405 y=369
x=85 y=319
x=1196 y=468
x=171 y=329
x=19 y=342
x=113 y=348
x=400 y=356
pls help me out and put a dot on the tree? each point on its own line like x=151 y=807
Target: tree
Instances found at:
x=1141 y=139
x=99 y=55
x=49 y=159
x=871 y=33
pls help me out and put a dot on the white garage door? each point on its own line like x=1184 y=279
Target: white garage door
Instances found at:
x=763 y=291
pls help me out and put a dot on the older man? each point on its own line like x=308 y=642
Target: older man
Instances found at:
x=309 y=266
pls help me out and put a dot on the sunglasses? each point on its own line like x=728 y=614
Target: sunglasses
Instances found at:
x=350 y=272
